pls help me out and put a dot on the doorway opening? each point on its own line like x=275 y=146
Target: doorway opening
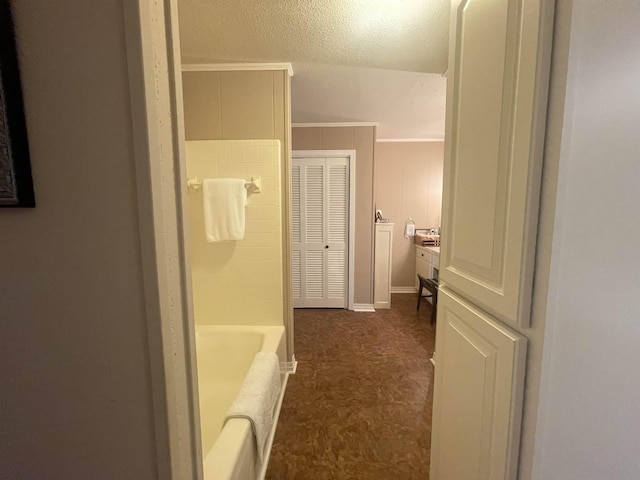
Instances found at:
x=334 y=272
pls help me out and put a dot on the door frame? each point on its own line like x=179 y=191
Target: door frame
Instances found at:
x=156 y=94
x=351 y=155
x=180 y=456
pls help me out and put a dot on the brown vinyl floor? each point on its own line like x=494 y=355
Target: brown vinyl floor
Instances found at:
x=359 y=406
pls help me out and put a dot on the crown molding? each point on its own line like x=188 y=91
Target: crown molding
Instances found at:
x=233 y=67
x=408 y=140
x=336 y=124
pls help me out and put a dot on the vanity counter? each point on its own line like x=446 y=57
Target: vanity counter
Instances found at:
x=427 y=260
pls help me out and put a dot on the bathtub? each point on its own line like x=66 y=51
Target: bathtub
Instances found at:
x=224 y=355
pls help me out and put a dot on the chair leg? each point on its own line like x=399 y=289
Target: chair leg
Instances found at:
x=419 y=297
x=434 y=310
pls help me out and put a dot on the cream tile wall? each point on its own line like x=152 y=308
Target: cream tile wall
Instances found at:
x=239 y=282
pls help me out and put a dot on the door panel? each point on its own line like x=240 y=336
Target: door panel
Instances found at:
x=314 y=226
x=496 y=101
x=478 y=391
x=337 y=231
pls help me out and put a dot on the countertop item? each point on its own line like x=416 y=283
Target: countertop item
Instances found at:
x=427 y=240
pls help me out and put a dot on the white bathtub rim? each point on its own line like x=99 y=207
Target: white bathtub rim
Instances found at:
x=272 y=434
x=272 y=333
x=225 y=458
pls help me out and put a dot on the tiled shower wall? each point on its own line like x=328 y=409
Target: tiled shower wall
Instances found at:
x=238 y=282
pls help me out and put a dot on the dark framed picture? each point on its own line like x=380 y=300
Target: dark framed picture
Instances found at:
x=16 y=186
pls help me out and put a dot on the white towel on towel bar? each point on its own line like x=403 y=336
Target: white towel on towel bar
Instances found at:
x=224 y=202
x=257 y=398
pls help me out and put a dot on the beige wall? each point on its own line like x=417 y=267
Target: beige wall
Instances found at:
x=235 y=105
x=239 y=282
x=360 y=139
x=408 y=183
x=76 y=396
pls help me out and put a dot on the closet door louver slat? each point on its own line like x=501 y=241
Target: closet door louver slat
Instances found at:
x=296 y=275
x=314 y=283
x=338 y=204
x=296 y=220
x=314 y=204
x=336 y=280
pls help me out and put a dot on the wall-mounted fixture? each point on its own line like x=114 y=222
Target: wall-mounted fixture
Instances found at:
x=254 y=186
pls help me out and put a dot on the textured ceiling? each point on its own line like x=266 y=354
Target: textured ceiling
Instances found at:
x=354 y=60
x=406 y=104
x=409 y=35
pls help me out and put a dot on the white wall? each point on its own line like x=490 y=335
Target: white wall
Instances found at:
x=589 y=414
x=75 y=377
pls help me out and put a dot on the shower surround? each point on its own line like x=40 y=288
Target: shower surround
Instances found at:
x=238 y=282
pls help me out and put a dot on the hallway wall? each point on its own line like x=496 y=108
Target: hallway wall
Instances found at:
x=76 y=396
x=589 y=416
x=408 y=183
x=362 y=140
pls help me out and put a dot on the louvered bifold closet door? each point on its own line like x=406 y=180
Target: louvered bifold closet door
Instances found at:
x=337 y=218
x=320 y=219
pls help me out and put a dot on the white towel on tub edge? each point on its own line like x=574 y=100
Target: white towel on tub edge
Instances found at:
x=257 y=398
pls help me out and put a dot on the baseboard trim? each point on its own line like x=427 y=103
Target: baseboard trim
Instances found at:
x=363 y=307
x=403 y=290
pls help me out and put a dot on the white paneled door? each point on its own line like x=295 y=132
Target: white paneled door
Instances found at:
x=497 y=87
x=477 y=394
x=496 y=108
x=320 y=227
